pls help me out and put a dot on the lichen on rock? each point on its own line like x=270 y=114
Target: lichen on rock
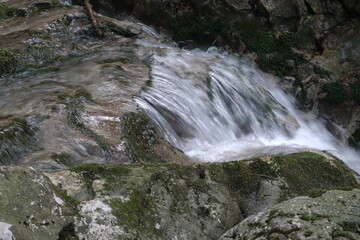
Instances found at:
x=334 y=215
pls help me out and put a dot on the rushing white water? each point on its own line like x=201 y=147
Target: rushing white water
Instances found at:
x=217 y=107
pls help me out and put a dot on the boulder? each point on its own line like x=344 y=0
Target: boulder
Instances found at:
x=282 y=9
x=30 y=206
x=200 y=201
x=333 y=215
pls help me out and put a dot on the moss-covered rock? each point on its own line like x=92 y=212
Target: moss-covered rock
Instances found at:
x=30 y=205
x=140 y=138
x=334 y=215
x=335 y=93
x=200 y=201
x=7 y=62
x=5 y=11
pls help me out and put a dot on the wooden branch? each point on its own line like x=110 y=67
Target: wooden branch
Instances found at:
x=93 y=19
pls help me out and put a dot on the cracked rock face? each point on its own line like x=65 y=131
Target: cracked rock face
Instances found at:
x=334 y=215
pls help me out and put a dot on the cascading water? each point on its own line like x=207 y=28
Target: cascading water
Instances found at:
x=217 y=107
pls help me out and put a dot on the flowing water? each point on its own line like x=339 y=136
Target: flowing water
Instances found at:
x=213 y=106
x=218 y=107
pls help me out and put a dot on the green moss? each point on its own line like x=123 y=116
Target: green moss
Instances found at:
x=355 y=87
x=7 y=62
x=273 y=53
x=335 y=93
x=196 y=27
x=242 y=176
x=6 y=11
x=95 y=171
x=138 y=213
x=321 y=72
x=308 y=172
x=140 y=137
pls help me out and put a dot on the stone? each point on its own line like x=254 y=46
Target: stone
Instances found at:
x=192 y=201
x=29 y=205
x=123 y=28
x=332 y=215
x=314 y=5
x=285 y=9
x=239 y=4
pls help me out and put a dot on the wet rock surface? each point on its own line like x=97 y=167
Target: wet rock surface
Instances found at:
x=67 y=101
x=80 y=86
x=284 y=35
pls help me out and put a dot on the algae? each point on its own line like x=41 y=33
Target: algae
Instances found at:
x=140 y=138
x=308 y=172
x=6 y=11
x=8 y=62
x=137 y=213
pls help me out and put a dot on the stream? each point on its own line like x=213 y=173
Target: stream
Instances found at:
x=218 y=107
x=212 y=105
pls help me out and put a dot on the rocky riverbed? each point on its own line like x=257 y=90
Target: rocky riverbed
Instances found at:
x=82 y=161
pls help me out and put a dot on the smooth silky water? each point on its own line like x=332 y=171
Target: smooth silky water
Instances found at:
x=218 y=107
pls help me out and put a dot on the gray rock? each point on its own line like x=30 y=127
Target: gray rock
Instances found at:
x=334 y=215
x=315 y=6
x=29 y=206
x=282 y=8
x=171 y=201
x=239 y=4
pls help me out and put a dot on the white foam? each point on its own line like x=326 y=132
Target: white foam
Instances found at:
x=217 y=107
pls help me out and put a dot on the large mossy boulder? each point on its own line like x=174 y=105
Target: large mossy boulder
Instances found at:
x=200 y=201
x=333 y=215
x=164 y=201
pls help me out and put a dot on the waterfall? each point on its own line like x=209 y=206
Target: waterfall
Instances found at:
x=219 y=107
